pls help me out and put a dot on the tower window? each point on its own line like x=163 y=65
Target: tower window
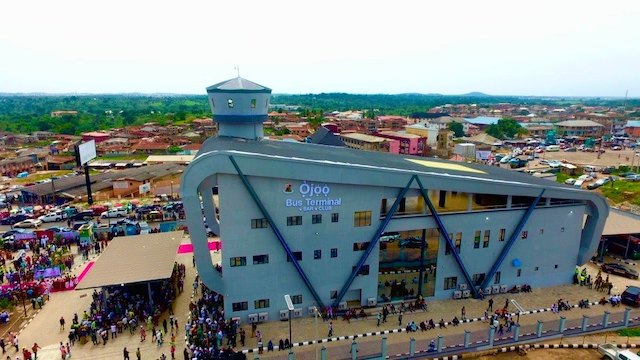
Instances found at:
x=213 y=103
x=230 y=103
x=253 y=103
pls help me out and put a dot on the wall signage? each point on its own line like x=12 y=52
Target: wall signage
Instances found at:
x=310 y=197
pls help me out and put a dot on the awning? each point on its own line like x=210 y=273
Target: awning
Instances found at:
x=134 y=259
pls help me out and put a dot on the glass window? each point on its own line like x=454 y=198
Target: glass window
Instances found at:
x=458 y=242
x=496 y=279
x=364 y=270
x=296 y=299
x=261 y=304
x=519 y=272
x=487 y=236
x=335 y=217
x=501 y=234
x=450 y=282
x=213 y=104
x=478 y=279
x=260 y=259
x=259 y=223
x=294 y=220
x=230 y=103
x=317 y=254
x=360 y=246
x=333 y=294
x=316 y=218
x=240 y=306
x=334 y=252
x=253 y=103
x=476 y=239
x=238 y=261
x=489 y=201
x=297 y=255
x=524 y=235
x=362 y=218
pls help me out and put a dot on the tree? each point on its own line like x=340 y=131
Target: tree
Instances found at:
x=457 y=128
x=506 y=128
x=173 y=149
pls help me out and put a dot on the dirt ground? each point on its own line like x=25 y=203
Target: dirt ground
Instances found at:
x=547 y=354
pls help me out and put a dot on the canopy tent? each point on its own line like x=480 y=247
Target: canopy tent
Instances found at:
x=133 y=260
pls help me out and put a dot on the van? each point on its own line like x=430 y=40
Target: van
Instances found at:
x=389 y=237
x=552 y=148
x=588 y=169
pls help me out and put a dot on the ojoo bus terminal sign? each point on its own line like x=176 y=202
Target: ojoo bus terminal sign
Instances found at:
x=311 y=197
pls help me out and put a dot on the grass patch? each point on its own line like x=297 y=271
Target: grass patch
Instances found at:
x=621 y=191
x=562 y=177
x=629 y=332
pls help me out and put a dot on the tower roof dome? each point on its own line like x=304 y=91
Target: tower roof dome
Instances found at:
x=238 y=84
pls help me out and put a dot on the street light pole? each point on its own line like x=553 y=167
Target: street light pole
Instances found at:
x=315 y=313
x=171 y=189
x=287 y=299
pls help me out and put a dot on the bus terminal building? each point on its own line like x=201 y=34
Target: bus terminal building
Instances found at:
x=332 y=226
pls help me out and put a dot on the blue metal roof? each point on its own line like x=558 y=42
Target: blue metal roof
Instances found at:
x=482 y=120
x=633 y=123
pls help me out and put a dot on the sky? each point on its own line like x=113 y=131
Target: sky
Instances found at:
x=542 y=48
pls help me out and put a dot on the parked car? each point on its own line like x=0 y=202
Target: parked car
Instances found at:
x=613 y=352
x=52 y=216
x=98 y=209
x=389 y=237
x=14 y=219
x=607 y=169
x=114 y=213
x=628 y=173
x=57 y=229
x=83 y=215
x=571 y=149
x=570 y=181
x=28 y=223
x=631 y=296
x=9 y=234
x=412 y=243
x=616 y=147
x=619 y=269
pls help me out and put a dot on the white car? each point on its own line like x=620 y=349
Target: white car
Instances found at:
x=570 y=181
x=29 y=223
x=585 y=177
x=114 y=213
x=52 y=216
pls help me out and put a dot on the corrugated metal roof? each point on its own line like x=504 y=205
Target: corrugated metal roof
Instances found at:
x=621 y=222
x=134 y=259
x=578 y=123
x=633 y=123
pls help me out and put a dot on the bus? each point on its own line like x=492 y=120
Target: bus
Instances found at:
x=617 y=244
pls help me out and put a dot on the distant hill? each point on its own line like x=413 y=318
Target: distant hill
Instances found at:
x=476 y=94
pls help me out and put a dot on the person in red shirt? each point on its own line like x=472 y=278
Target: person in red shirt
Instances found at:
x=35 y=349
x=26 y=353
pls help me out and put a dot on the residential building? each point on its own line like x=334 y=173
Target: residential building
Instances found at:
x=370 y=142
x=582 y=128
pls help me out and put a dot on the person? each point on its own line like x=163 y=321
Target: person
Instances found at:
x=63 y=351
x=139 y=355
x=330 y=329
x=400 y=319
x=185 y=353
x=379 y=317
x=3 y=345
x=68 y=349
x=143 y=334
x=125 y=353
x=490 y=304
x=172 y=349
x=61 y=323
x=35 y=349
x=280 y=345
x=463 y=313
x=242 y=337
x=16 y=343
x=270 y=346
x=260 y=347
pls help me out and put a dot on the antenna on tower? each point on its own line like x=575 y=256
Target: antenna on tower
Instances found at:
x=237 y=69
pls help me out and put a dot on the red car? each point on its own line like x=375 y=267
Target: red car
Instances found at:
x=98 y=209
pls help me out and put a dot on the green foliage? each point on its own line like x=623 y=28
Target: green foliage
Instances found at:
x=457 y=128
x=621 y=191
x=633 y=332
x=173 y=149
x=562 y=177
x=6 y=304
x=506 y=128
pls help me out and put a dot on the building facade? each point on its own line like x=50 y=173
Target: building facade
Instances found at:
x=340 y=227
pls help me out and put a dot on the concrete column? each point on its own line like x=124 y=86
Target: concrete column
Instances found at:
x=467 y=337
x=562 y=321
x=206 y=190
x=291 y=355
x=516 y=332
x=323 y=353
x=439 y=345
x=539 y=329
x=509 y=202
x=412 y=346
x=383 y=347
x=492 y=334
x=585 y=322
x=605 y=319
x=626 y=316
x=469 y=202
x=354 y=350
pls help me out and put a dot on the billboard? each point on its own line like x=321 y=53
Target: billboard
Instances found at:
x=86 y=152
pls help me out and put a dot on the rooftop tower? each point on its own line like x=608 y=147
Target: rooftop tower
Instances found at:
x=239 y=107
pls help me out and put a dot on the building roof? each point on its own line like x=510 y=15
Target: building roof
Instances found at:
x=323 y=136
x=483 y=138
x=134 y=259
x=183 y=159
x=403 y=135
x=633 y=123
x=60 y=159
x=238 y=85
x=578 y=123
x=96 y=134
x=148 y=145
x=482 y=120
x=621 y=222
x=365 y=137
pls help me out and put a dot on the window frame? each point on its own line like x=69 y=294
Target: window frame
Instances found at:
x=243 y=306
x=476 y=239
x=317 y=254
x=261 y=223
x=296 y=254
x=265 y=257
x=335 y=217
x=261 y=304
x=486 y=239
x=451 y=283
x=334 y=252
x=238 y=261
x=362 y=218
x=316 y=218
x=295 y=220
